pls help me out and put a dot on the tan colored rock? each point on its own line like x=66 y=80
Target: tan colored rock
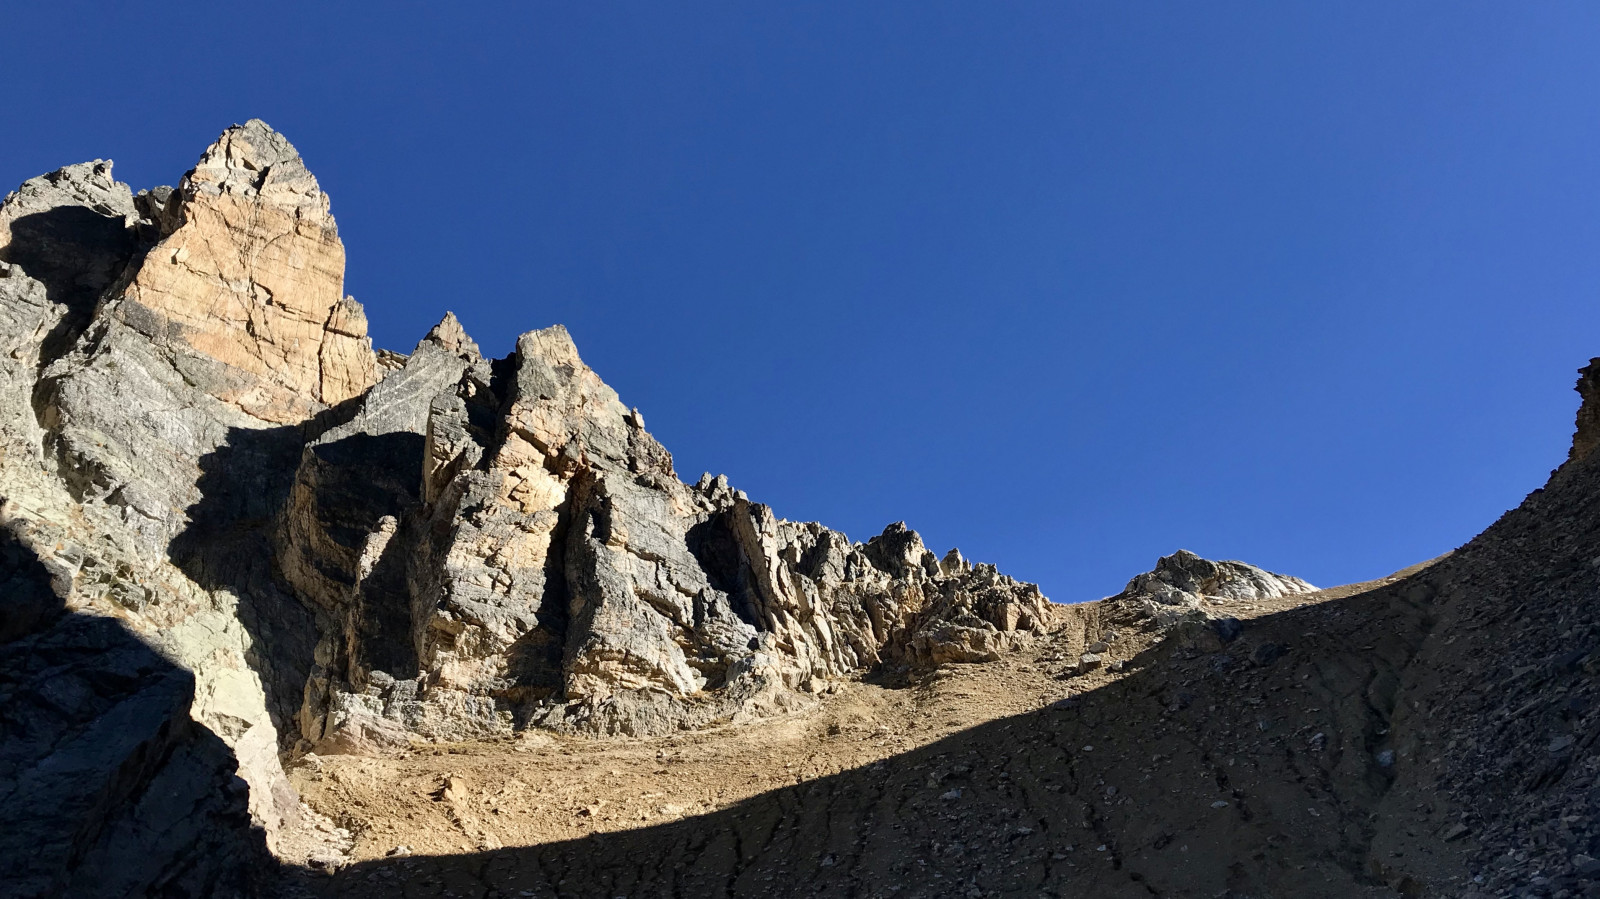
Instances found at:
x=253 y=279
x=463 y=548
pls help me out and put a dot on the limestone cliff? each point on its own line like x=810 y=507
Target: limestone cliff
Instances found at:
x=546 y=567
x=164 y=354
x=231 y=532
x=301 y=542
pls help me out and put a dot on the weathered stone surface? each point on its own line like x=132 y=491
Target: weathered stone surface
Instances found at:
x=560 y=575
x=335 y=548
x=150 y=490
x=249 y=287
x=364 y=469
x=107 y=787
x=357 y=487
x=230 y=531
x=1180 y=583
x=196 y=434
x=64 y=238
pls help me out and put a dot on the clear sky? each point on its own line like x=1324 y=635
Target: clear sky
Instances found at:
x=1068 y=285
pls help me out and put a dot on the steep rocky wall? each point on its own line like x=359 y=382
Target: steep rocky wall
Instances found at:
x=128 y=459
x=347 y=549
x=558 y=574
x=108 y=787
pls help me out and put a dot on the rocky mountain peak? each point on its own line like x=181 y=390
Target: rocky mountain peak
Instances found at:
x=252 y=160
x=246 y=290
x=87 y=184
x=228 y=544
x=1587 y=435
x=449 y=334
x=64 y=236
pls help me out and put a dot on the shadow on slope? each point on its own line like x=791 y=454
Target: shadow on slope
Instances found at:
x=76 y=252
x=1410 y=738
x=227 y=546
x=245 y=486
x=1116 y=793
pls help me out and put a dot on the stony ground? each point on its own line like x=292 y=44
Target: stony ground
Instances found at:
x=1007 y=778
x=1433 y=733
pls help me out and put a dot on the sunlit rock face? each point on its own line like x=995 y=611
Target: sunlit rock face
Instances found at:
x=1184 y=585
x=557 y=573
x=1587 y=436
x=332 y=547
x=248 y=287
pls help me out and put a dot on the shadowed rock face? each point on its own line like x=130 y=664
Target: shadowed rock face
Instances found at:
x=342 y=549
x=107 y=786
x=134 y=459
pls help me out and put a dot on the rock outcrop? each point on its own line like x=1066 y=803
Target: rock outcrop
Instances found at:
x=246 y=292
x=1184 y=586
x=550 y=569
x=231 y=532
x=108 y=787
x=145 y=459
x=1587 y=436
x=300 y=542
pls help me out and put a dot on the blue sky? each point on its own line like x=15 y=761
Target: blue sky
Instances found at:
x=1068 y=285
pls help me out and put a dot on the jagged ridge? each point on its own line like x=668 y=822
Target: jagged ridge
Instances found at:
x=350 y=549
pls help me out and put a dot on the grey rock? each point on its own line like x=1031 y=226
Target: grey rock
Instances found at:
x=561 y=575
x=107 y=787
x=243 y=534
x=1184 y=586
x=65 y=238
x=1228 y=628
x=1267 y=653
x=128 y=459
